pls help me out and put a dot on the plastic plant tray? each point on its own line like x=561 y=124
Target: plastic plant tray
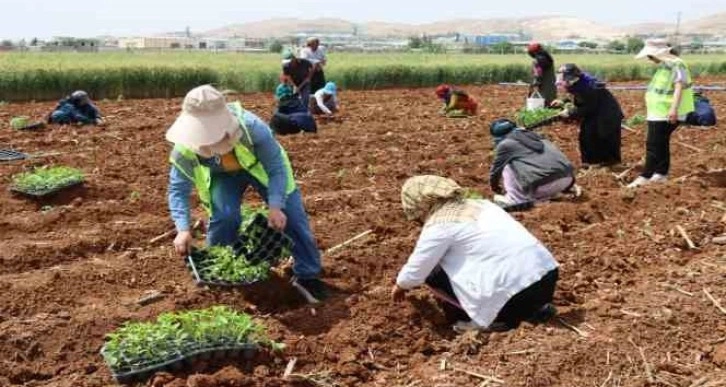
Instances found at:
x=11 y=155
x=33 y=126
x=519 y=207
x=184 y=358
x=268 y=245
x=46 y=191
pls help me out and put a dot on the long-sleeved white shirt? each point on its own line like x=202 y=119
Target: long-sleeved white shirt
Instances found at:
x=320 y=101
x=488 y=260
x=314 y=57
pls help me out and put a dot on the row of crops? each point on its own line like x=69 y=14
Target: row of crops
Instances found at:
x=49 y=76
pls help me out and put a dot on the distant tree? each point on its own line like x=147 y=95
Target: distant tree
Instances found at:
x=415 y=42
x=697 y=44
x=633 y=44
x=276 y=46
x=585 y=44
x=502 y=48
x=616 y=45
x=6 y=43
x=22 y=43
x=34 y=42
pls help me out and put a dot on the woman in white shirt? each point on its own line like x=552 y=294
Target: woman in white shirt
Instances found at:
x=325 y=100
x=488 y=269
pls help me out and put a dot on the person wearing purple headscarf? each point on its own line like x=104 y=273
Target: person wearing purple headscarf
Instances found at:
x=599 y=113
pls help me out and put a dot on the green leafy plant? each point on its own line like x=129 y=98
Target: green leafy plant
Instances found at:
x=137 y=345
x=223 y=264
x=47 y=178
x=526 y=117
x=636 y=120
x=470 y=193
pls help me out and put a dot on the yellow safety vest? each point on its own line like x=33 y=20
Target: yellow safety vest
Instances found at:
x=188 y=163
x=659 y=97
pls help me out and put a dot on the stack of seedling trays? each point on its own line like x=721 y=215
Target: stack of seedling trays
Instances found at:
x=249 y=260
x=177 y=340
x=11 y=155
x=46 y=180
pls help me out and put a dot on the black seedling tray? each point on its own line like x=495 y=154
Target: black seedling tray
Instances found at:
x=181 y=361
x=47 y=191
x=11 y=155
x=258 y=243
x=519 y=207
x=33 y=126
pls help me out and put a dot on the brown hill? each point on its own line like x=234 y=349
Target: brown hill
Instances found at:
x=547 y=27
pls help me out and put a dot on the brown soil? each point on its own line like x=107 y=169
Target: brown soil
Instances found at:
x=73 y=266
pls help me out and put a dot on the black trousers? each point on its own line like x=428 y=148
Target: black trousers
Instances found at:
x=600 y=143
x=317 y=82
x=521 y=307
x=658 y=148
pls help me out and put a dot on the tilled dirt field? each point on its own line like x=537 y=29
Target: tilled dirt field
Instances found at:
x=631 y=291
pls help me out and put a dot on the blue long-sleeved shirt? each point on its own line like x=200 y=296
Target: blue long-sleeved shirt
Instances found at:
x=67 y=112
x=266 y=149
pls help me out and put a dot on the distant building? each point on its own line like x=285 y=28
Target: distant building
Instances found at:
x=492 y=39
x=71 y=44
x=159 y=42
x=190 y=43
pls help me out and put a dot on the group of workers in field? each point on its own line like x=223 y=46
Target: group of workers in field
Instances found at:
x=486 y=269
x=303 y=76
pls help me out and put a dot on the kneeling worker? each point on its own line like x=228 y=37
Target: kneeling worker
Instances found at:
x=457 y=103
x=533 y=169
x=486 y=268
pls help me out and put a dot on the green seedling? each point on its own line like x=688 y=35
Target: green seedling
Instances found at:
x=137 y=345
x=47 y=178
x=134 y=196
x=527 y=118
x=222 y=264
x=470 y=193
x=636 y=120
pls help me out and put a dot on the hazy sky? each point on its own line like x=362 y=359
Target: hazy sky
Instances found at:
x=45 y=18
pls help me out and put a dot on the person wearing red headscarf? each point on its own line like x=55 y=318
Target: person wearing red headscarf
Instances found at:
x=543 y=71
x=457 y=103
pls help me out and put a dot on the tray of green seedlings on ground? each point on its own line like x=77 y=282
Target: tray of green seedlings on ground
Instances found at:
x=247 y=261
x=46 y=180
x=137 y=350
x=531 y=119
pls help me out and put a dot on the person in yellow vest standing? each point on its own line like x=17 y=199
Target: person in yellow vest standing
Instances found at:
x=668 y=101
x=221 y=149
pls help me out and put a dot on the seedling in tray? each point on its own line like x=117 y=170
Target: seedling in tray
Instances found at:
x=138 y=349
x=528 y=118
x=247 y=261
x=46 y=180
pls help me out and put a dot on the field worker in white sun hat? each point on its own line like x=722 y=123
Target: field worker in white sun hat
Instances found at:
x=220 y=149
x=487 y=269
x=668 y=101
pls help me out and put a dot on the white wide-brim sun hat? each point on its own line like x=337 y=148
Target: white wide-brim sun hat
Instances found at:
x=204 y=119
x=657 y=48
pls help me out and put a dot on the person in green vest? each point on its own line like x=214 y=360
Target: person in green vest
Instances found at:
x=221 y=149
x=668 y=101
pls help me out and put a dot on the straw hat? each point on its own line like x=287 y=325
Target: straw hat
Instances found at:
x=657 y=48
x=204 y=119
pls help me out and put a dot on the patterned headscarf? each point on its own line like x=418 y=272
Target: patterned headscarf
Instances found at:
x=422 y=195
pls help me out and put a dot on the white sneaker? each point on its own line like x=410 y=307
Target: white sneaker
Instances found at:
x=640 y=181
x=501 y=201
x=658 y=178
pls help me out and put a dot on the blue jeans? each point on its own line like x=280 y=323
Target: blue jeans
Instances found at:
x=227 y=192
x=304 y=93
